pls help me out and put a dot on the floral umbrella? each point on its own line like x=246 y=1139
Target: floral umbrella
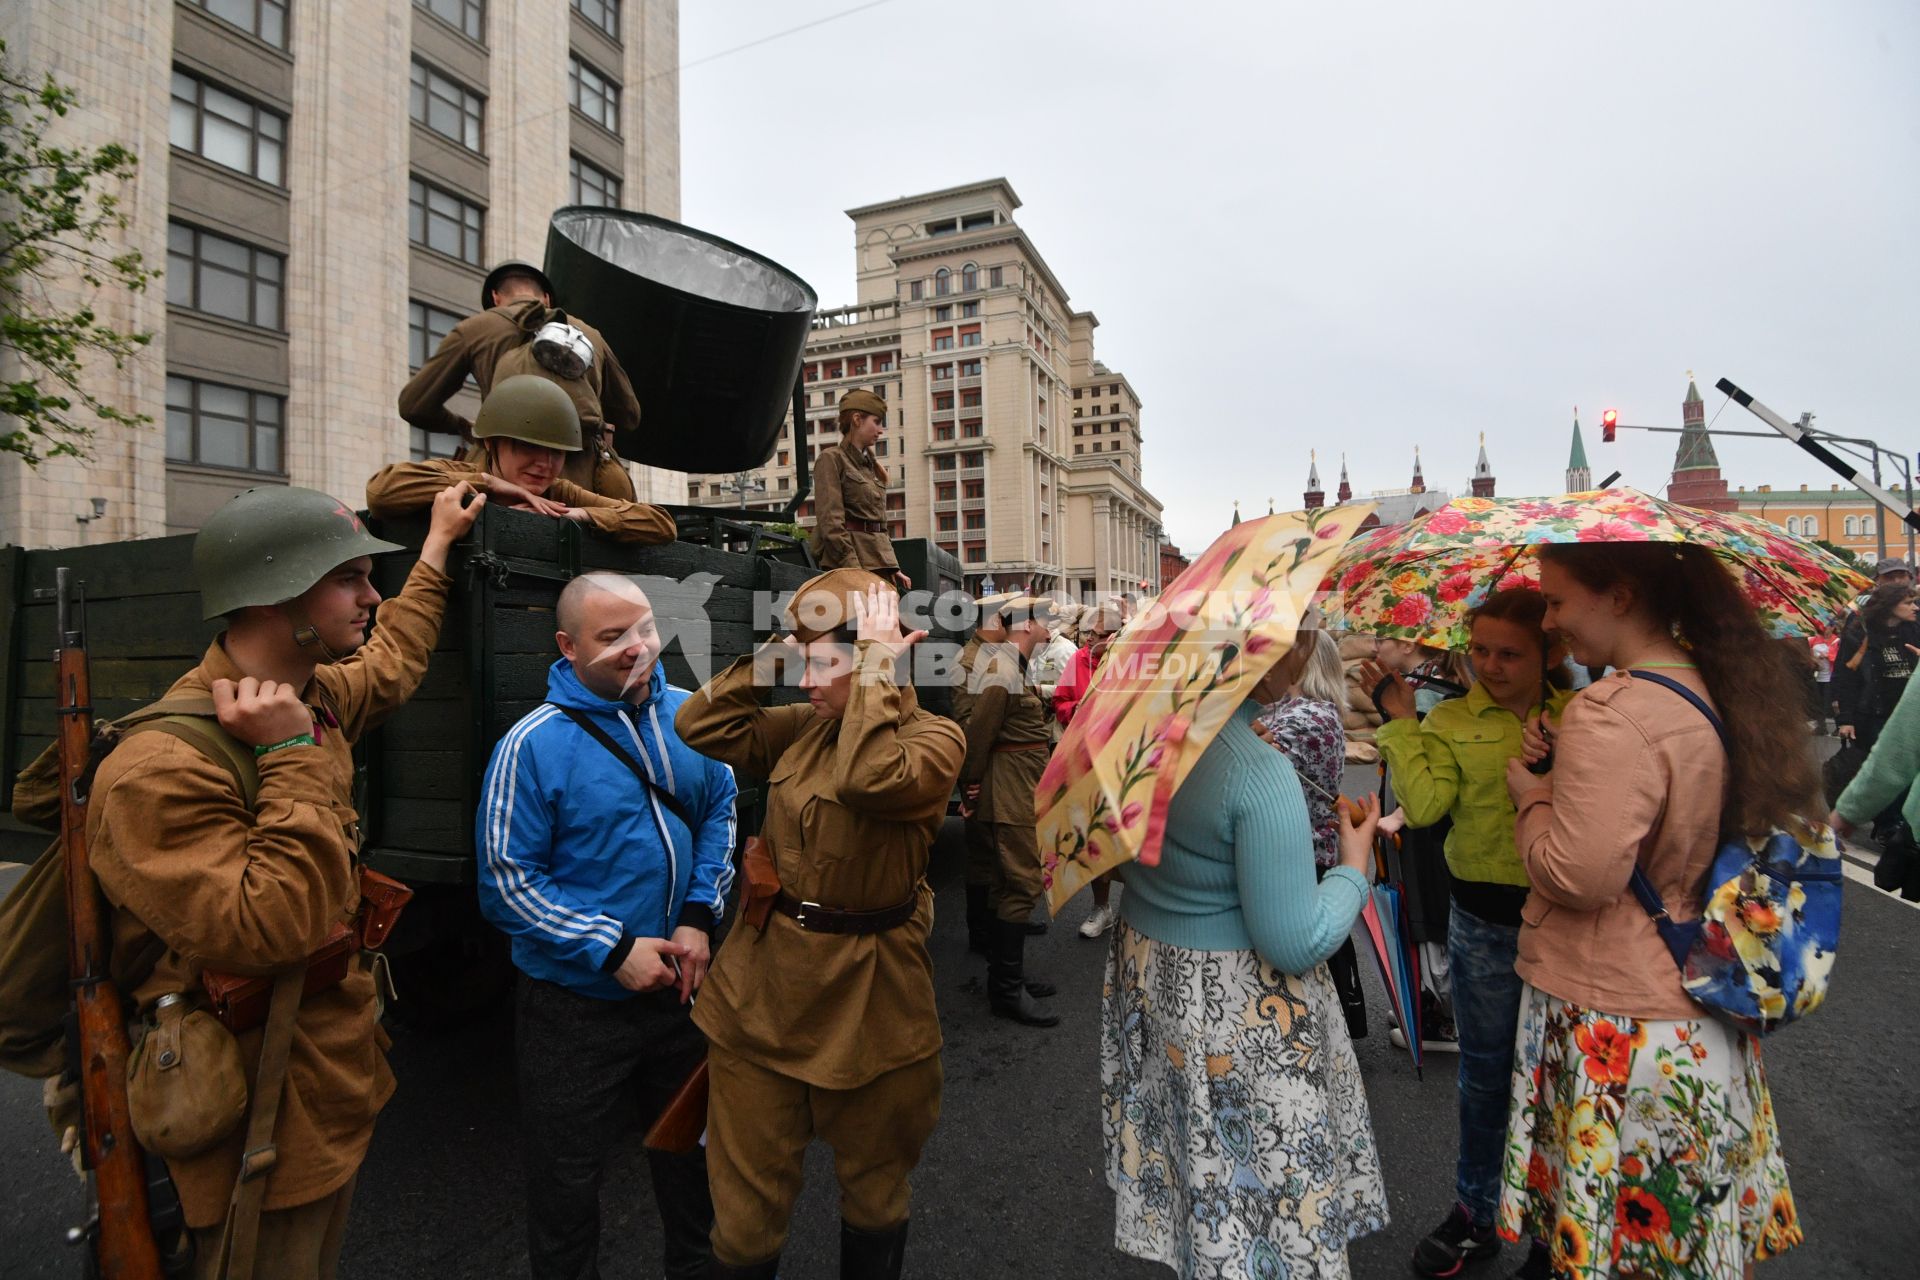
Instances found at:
x=1421 y=580
x=1170 y=680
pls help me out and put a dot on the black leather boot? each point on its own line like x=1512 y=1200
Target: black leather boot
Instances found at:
x=979 y=920
x=768 y=1270
x=1006 y=987
x=872 y=1255
x=1036 y=928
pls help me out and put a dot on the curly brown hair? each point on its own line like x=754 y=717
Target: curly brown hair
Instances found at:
x=1772 y=780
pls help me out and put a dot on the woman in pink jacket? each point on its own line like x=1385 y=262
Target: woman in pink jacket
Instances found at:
x=1641 y=1139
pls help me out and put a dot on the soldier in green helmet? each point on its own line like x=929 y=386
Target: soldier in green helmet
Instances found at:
x=196 y=875
x=497 y=341
x=527 y=428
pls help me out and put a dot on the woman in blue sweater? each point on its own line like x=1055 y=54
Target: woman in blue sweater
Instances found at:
x=1237 y=1135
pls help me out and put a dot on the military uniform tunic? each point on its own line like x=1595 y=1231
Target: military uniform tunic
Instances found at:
x=1009 y=736
x=401 y=487
x=484 y=344
x=852 y=809
x=179 y=855
x=849 y=486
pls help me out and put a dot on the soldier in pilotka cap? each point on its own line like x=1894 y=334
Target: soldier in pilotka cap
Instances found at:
x=1009 y=736
x=820 y=1010
x=850 y=494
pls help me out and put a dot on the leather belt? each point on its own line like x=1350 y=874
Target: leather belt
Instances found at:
x=815 y=918
x=858 y=525
x=1023 y=746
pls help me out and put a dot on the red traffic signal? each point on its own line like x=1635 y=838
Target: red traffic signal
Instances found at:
x=1609 y=421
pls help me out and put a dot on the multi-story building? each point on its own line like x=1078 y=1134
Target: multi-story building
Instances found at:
x=1011 y=446
x=326 y=184
x=1844 y=517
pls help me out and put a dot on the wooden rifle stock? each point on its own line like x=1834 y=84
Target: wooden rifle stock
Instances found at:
x=682 y=1121
x=122 y=1236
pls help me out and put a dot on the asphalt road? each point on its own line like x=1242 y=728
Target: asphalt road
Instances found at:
x=1011 y=1183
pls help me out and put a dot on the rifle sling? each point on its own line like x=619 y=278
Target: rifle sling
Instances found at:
x=240 y=1235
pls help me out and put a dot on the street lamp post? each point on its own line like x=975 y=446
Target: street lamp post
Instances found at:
x=744 y=483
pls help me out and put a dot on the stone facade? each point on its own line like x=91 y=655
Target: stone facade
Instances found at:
x=1010 y=444
x=319 y=372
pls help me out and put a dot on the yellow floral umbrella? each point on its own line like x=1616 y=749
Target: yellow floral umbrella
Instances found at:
x=1171 y=679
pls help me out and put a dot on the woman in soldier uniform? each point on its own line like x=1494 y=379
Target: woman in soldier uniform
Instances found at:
x=527 y=427
x=850 y=494
x=821 y=1019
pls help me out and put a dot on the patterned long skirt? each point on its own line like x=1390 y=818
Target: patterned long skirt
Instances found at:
x=1237 y=1136
x=1641 y=1147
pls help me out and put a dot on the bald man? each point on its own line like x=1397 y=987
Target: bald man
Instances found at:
x=605 y=849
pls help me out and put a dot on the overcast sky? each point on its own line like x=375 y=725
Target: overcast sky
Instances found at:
x=1304 y=226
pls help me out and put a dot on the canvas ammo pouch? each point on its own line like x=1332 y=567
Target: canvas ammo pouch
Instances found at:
x=186 y=1082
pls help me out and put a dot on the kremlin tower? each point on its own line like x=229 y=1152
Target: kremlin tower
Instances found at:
x=1579 y=474
x=1483 y=472
x=1696 y=468
x=1315 y=497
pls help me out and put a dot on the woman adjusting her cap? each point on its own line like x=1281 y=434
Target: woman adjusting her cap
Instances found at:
x=850 y=494
x=820 y=1015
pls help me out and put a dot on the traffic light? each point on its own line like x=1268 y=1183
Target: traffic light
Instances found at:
x=1609 y=421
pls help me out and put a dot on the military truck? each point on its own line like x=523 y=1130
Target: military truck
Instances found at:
x=712 y=336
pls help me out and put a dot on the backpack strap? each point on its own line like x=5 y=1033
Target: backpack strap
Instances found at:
x=194 y=721
x=1699 y=703
x=1678 y=937
x=673 y=803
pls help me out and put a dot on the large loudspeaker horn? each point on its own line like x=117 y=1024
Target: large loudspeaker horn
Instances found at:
x=711 y=334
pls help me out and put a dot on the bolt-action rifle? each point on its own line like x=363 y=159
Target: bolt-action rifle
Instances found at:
x=119 y=1234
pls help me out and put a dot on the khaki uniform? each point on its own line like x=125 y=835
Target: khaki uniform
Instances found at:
x=492 y=345
x=848 y=488
x=834 y=1035
x=981 y=855
x=403 y=487
x=1009 y=737
x=179 y=857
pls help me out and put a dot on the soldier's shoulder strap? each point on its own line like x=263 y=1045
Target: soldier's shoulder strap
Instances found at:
x=192 y=719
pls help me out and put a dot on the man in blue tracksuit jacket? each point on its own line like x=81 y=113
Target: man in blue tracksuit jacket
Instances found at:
x=605 y=854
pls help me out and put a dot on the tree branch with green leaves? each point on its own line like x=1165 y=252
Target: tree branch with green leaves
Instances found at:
x=61 y=225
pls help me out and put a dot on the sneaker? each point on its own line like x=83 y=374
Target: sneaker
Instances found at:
x=1102 y=919
x=1441 y=1041
x=1454 y=1244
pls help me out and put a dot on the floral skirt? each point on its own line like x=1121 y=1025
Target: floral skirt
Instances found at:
x=1237 y=1136
x=1642 y=1147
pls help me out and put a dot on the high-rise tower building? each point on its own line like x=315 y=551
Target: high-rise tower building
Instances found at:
x=1696 y=468
x=1579 y=475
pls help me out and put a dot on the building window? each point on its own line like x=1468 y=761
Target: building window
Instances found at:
x=971 y=428
x=786 y=484
x=976 y=519
x=1079 y=448
x=423 y=444
x=468 y=17
x=945 y=462
x=226 y=129
x=1852 y=526
x=223 y=277
x=1793 y=524
x=604 y=14
x=1810 y=526
x=974 y=489
x=969 y=335
x=969 y=310
x=943 y=313
x=590 y=184
x=220 y=426
x=969 y=368
x=443 y=222
x=969 y=281
x=943 y=432
x=943 y=402
x=976 y=221
x=593 y=94
x=970 y=399
x=427 y=327
x=445 y=106
x=949 y=523
x=943 y=340
x=941 y=372
x=942 y=282
x=943 y=492
x=973 y=460
x=264 y=18
x=913 y=290
x=857 y=367
x=976 y=552
x=883 y=363
x=943 y=228
x=994 y=277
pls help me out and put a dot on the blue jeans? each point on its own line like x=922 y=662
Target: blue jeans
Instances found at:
x=1486 y=1013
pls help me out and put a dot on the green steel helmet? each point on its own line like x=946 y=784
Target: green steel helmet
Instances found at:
x=268 y=545
x=531 y=409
